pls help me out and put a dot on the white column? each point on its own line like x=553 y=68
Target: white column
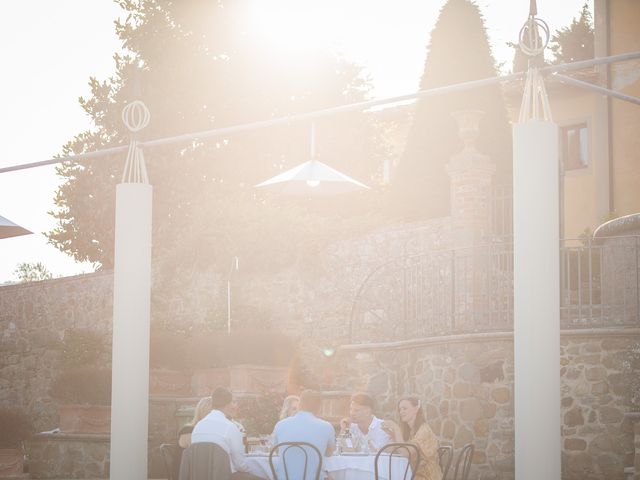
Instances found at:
x=131 y=320
x=536 y=301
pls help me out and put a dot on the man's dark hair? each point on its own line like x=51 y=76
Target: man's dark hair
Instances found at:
x=311 y=401
x=363 y=399
x=220 y=398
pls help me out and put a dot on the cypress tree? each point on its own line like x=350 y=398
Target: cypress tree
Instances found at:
x=457 y=52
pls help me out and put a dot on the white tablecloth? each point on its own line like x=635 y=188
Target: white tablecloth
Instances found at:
x=340 y=467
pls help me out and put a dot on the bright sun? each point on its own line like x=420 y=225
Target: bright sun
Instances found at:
x=294 y=24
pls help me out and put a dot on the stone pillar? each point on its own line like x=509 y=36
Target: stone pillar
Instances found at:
x=471 y=200
x=471 y=178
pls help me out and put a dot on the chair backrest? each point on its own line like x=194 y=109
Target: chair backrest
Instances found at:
x=463 y=464
x=171 y=458
x=395 y=451
x=445 y=457
x=205 y=461
x=297 y=456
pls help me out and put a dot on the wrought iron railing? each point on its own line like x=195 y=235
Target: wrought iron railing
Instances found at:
x=471 y=290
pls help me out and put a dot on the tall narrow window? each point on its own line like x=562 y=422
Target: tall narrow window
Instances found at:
x=575 y=146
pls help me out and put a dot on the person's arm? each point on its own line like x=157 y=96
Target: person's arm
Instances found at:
x=393 y=430
x=381 y=438
x=184 y=440
x=236 y=449
x=184 y=436
x=344 y=424
x=331 y=445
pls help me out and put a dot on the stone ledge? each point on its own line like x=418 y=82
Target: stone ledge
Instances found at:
x=56 y=281
x=71 y=437
x=485 y=336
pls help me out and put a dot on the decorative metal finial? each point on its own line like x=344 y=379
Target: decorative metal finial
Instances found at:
x=135 y=116
x=532 y=40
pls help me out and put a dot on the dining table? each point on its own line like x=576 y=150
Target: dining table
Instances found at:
x=346 y=466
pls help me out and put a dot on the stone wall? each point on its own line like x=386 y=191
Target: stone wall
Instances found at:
x=466 y=382
x=466 y=385
x=306 y=301
x=33 y=319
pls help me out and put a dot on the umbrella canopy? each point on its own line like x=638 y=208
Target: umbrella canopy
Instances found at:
x=10 y=229
x=312 y=178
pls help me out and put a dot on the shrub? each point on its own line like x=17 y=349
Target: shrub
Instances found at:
x=259 y=415
x=81 y=348
x=84 y=386
x=15 y=427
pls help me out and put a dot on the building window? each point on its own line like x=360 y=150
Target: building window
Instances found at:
x=575 y=146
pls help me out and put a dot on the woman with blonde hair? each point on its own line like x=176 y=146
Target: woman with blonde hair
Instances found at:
x=202 y=410
x=289 y=406
x=414 y=429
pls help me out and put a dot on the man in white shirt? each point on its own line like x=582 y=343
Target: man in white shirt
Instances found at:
x=363 y=425
x=217 y=428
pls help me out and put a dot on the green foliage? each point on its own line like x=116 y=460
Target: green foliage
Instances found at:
x=31 y=272
x=196 y=72
x=458 y=52
x=575 y=42
x=15 y=427
x=81 y=348
x=83 y=386
x=259 y=415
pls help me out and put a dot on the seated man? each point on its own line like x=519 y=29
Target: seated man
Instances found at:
x=217 y=428
x=363 y=425
x=304 y=426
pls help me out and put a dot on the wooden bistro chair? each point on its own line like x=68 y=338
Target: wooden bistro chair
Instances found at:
x=445 y=457
x=296 y=453
x=396 y=451
x=463 y=464
x=170 y=457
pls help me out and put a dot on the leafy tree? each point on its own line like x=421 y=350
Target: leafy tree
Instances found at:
x=32 y=272
x=199 y=68
x=458 y=52
x=575 y=42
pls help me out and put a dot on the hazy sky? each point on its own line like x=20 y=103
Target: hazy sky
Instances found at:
x=49 y=50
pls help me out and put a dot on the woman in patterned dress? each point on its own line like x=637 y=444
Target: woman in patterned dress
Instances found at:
x=414 y=429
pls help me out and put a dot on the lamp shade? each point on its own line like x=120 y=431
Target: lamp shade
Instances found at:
x=312 y=178
x=10 y=229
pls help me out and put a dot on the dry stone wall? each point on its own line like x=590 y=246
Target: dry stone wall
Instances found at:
x=466 y=382
x=466 y=386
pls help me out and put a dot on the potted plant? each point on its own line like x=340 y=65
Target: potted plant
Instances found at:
x=15 y=428
x=85 y=400
x=168 y=374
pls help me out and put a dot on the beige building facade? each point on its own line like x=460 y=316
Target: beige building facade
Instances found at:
x=600 y=135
